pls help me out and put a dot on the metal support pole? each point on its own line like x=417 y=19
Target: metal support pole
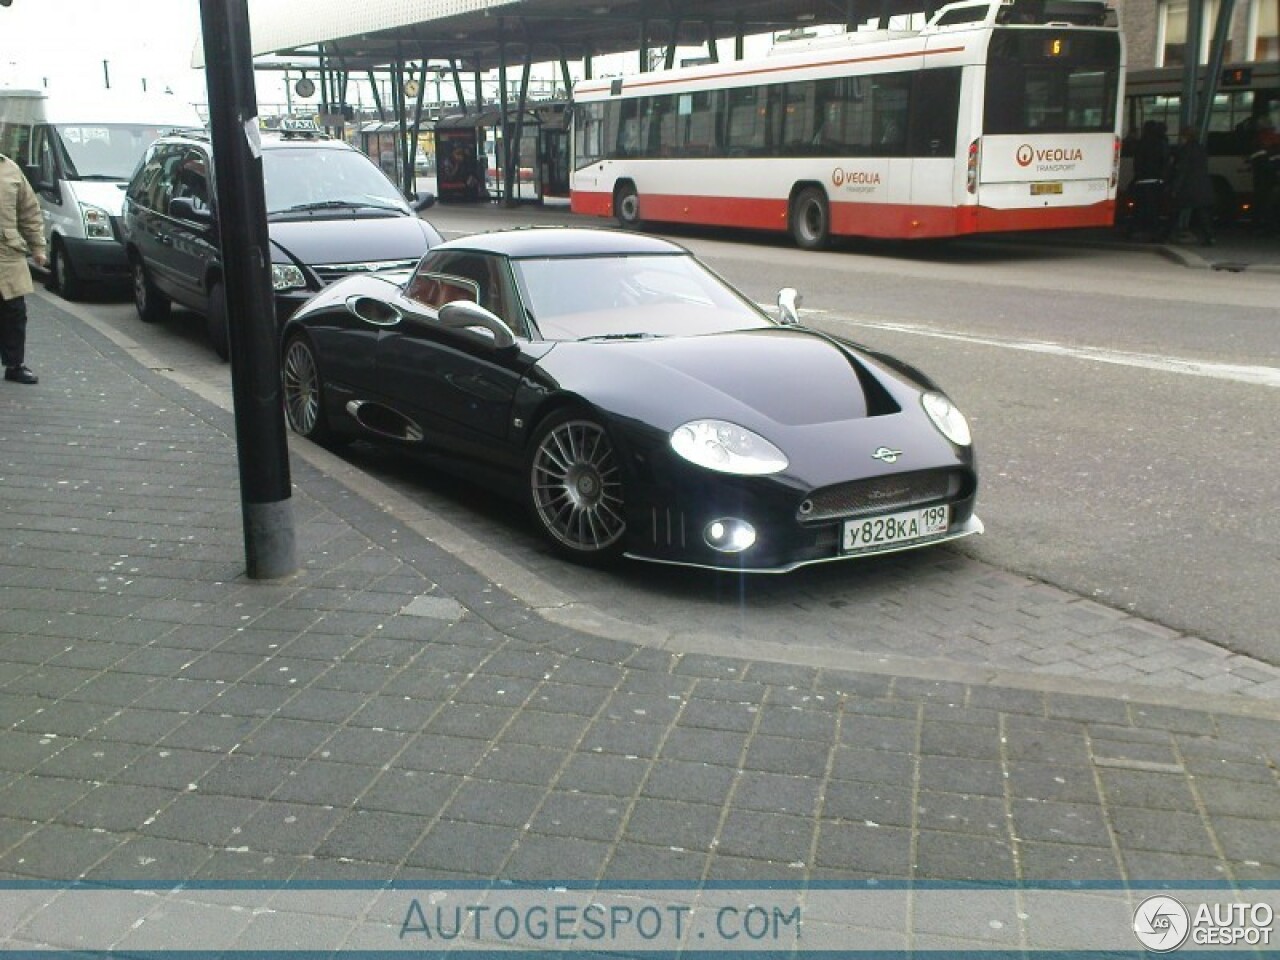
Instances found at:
x=1217 y=51
x=457 y=85
x=1187 y=111
x=261 y=441
x=377 y=95
x=513 y=154
x=567 y=78
x=505 y=172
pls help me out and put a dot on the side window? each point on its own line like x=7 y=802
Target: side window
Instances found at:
x=45 y=155
x=935 y=106
x=434 y=290
x=191 y=178
x=488 y=276
x=153 y=185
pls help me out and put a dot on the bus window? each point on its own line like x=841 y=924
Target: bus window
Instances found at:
x=588 y=125
x=747 y=132
x=935 y=105
x=1037 y=82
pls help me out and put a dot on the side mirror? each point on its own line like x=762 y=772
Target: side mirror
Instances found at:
x=423 y=201
x=789 y=301
x=185 y=208
x=465 y=315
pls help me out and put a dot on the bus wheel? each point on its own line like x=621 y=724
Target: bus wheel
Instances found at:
x=810 y=222
x=626 y=205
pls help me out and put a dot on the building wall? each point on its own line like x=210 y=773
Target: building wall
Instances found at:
x=1141 y=22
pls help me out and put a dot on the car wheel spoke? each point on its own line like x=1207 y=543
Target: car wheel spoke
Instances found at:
x=301 y=395
x=576 y=488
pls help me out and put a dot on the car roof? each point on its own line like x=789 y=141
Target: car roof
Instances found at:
x=269 y=139
x=528 y=242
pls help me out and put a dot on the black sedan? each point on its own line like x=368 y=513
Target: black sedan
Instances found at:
x=636 y=402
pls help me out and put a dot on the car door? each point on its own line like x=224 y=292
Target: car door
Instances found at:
x=454 y=383
x=189 y=233
x=147 y=218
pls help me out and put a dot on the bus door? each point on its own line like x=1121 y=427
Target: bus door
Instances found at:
x=553 y=164
x=937 y=157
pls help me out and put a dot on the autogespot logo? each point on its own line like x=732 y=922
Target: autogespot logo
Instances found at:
x=1161 y=924
x=1025 y=155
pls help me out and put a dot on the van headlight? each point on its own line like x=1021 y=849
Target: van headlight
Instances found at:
x=949 y=421
x=286 y=276
x=97 y=222
x=727 y=448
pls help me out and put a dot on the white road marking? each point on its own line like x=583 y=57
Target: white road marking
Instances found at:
x=1239 y=373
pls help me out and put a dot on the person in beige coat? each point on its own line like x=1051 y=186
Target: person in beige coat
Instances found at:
x=21 y=233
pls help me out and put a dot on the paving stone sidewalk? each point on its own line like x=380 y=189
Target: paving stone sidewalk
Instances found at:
x=389 y=713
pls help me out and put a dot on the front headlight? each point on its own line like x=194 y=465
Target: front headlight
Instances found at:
x=285 y=276
x=949 y=421
x=727 y=448
x=97 y=222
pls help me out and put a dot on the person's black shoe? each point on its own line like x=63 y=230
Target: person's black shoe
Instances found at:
x=20 y=374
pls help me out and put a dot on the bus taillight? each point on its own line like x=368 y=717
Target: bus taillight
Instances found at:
x=1115 y=165
x=971 y=173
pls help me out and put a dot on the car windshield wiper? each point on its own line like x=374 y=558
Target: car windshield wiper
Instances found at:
x=624 y=336
x=103 y=176
x=337 y=205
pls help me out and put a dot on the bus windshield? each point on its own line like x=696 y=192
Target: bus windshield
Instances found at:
x=1051 y=81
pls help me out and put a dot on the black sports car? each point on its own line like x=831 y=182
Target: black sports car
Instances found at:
x=636 y=402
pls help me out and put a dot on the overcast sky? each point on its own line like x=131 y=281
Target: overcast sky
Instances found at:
x=60 y=45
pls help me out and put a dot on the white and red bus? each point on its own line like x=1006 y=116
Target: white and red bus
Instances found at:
x=995 y=116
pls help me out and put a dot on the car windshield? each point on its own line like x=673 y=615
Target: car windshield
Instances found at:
x=105 y=151
x=630 y=297
x=307 y=179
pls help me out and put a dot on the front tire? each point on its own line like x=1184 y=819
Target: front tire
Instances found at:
x=304 y=392
x=811 y=219
x=152 y=305
x=626 y=206
x=62 y=275
x=576 y=491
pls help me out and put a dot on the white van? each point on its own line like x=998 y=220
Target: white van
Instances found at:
x=78 y=154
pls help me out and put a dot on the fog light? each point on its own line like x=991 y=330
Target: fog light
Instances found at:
x=729 y=535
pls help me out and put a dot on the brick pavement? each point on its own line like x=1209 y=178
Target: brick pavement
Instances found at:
x=391 y=713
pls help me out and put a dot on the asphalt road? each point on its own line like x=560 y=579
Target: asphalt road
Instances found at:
x=1126 y=416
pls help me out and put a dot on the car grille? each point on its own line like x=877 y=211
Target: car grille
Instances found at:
x=331 y=272
x=880 y=494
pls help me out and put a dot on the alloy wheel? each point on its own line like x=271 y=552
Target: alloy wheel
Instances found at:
x=577 y=487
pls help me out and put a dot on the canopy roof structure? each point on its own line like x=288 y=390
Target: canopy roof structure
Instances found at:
x=478 y=35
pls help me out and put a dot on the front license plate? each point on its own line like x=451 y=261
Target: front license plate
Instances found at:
x=876 y=532
x=1044 y=189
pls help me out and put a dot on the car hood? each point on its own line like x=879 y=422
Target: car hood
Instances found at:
x=827 y=405
x=350 y=240
x=786 y=376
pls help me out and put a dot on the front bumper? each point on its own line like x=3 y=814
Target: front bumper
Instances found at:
x=794 y=525
x=97 y=261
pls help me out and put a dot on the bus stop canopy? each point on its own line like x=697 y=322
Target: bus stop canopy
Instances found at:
x=477 y=35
